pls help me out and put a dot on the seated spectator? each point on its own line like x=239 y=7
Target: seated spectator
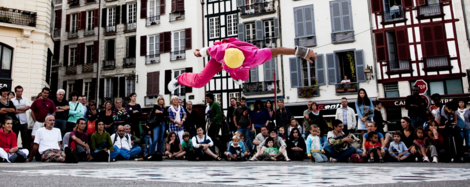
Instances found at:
x=202 y=144
x=47 y=142
x=187 y=146
x=79 y=141
x=236 y=150
x=8 y=146
x=261 y=137
x=372 y=127
x=296 y=145
x=271 y=152
x=424 y=146
x=294 y=124
x=65 y=140
x=247 y=153
x=173 y=147
x=398 y=149
x=437 y=140
x=408 y=135
x=373 y=147
x=323 y=139
x=134 y=139
x=278 y=143
x=101 y=145
x=314 y=147
x=123 y=145
x=282 y=134
x=339 y=146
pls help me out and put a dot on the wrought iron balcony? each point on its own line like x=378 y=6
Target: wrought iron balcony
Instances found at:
x=90 y=32
x=72 y=34
x=178 y=55
x=437 y=62
x=86 y=68
x=131 y=27
x=308 y=91
x=58 y=2
x=155 y=20
x=152 y=59
x=258 y=8
x=430 y=10
x=176 y=16
x=395 y=14
x=128 y=62
x=342 y=37
x=348 y=88
x=71 y=70
x=109 y=64
x=110 y=30
x=55 y=63
x=56 y=33
x=258 y=88
x=270 y=42
x=310 y=41
x=74 y=3
x=18 y=17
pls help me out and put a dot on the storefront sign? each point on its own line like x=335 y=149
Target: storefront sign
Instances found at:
x=402 y=102
x=329 y=106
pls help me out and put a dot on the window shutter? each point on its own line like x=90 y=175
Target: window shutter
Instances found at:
x=180 y=5
x=162 y=43
x=92 y=93
x=143 y=45
x=67 y=23
x=78 y=86
x=58 y=22
x=117 y=14
x=427 y=41
x=188 y=39
x=57 y=50
x=84 y=19
x=420 y=2
x=381 y=47
x=309 y=23
x=407 y=3
x=268 y=75
x=440 y=41
x=320 y=70
x=240 y=3
x=150 y=80
x=103 y=17
x=162 y=7
x=156 y=83
x=64 y=86
x=254 y=74
x=360 y=66
x=96 y=47
x=79 y=20
x=276 y=27
x=294 y=72
x=331 y=68
x=114 y=86
x=173 y=6
x=124 y=13
x=167 y=80
x=101 y=90
x=96 y=17
x=143 y=9
x=299 y=22
x=335 y=16
x=376 y=6
x=403 y=48
x=346 y=12
x=80 y=53
x=122 y=87
x=187 y=88
x=259 y=30
x=111 y=50
x=443 y=1
x=132 y=46
x=66 y=55
x=241 y=32
x=167 y=41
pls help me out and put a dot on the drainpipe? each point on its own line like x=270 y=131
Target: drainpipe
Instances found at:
x=98 y=63
x=371 y=27
x=203 y=59
x=465 y=22
x=282 y=59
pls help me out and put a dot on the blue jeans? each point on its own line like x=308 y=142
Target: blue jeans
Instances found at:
x=148 y=142
x=124 y=153
x=417 y=122
x=319 y=157
x=158 y=139
x=466 y=135
x=248 y=138
x=116 y=151
x=342 y=156
x=61 y=124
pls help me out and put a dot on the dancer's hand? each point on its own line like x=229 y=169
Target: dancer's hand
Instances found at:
x=197 y=53
x=310 y=55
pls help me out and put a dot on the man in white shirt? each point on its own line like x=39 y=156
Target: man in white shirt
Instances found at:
x=47 y=142
x=347 y=115
x=123 y=145
x=22 y=105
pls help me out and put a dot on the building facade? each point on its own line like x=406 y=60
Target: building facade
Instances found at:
x=26 y=46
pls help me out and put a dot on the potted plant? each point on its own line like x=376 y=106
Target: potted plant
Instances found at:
x=352 y=88
x=306 y=92
x=340 y=88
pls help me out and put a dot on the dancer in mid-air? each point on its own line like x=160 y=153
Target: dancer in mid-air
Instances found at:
x=236 y=58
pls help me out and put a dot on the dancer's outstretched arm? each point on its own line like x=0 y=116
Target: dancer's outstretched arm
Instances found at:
x=298 y=52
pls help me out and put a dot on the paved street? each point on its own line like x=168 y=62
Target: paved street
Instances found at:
x=211 y=173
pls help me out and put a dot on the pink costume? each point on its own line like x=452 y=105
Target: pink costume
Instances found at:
x=253 y=58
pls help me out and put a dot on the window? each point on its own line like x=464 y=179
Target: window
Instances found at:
x=250 y=31
x=86 y=89
x=434 y=45
x=89 y=54
x=391 y=90
x=154 y=8
x=153 y=46
x=130 y=85
x=178 y=42
x=130 y=47
x=218 y=97
x=235 y=95
x=393 y=114
x=250 y=6
x=269 y=34
x=450 y=86
x=393 y=10
x=341 y=21
x=132 y=13
x=5 y=57
x=347 y=64
x=73 y=56
x=304 y=26
x=73 y=25
x=254 y=75
x=108 y=92
x=111 y=16
x=214 y=27
x=89 y=25
x=70 y=88
x=110 y=49
x=307 y=73
x=232 y=20
x=181 y=90
x=269 y=69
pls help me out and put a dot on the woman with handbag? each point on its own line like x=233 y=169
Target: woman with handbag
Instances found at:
x=75 y=112
x=157 y=125
x=339 y=145
x=365 y=110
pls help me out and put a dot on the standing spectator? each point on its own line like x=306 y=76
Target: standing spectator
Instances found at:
x=378 y=119
x=231 y=109
x=158 y=129
x=296 y=147
x=202 y=144
x=7 y=108
x=269 y=107
x=448 y=119
x=316 y=117
x=40 y=109
x=101 y=144
x=294 y=125
x=62 y=111
x=135 y=111
x=339 y=147
x=283 y=116
x=75 y=112
x=180 y=102
x=177 y=116
x=365 y=110
x=259 y=116
x=123 y=145
x=8 y=143
x=190 y=124
x=83 y=101
x=242 y=120
x=79 y=141
x=464 y=113
x=11 y=95
x=22 y=105
x=215 y=119
x=416 y=106
x=306 y=123
x=119 y=114
x=107 y=116
x=92 y=116
x=347 y=115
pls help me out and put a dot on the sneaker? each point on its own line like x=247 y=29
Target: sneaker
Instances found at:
x=416 y=159
x=173 y=85
x=434 y=160
x=425 y=159
x=452 y=160
x=398 y=160
x=371 y=160
x=381 y=160
x=333 y=160
x=238 y=82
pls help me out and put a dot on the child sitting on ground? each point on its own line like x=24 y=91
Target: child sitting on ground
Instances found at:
x=187 y=146
x=373 y=147
x=294 y=124
x=281 y=133
x=398 y=149
x=246 y=153
x=424 y=146
x=271 y=152
x=314 y=149
x=236 y=149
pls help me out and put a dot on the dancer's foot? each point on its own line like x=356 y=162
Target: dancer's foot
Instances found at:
x=238 y=82
x=173 y=85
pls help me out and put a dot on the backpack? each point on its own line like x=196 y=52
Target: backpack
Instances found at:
x=116 y=135
x=358 y=158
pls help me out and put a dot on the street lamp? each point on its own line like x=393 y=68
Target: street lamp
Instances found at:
x=369 y=73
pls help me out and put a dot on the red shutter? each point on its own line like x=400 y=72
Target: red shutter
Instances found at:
x=187 y=88
x=58 y=21
x=143 y=9
x=79 y=20
x=162 y=7
x=66 y=55
x=188 y=40
x=84 y=19
x=57 y=50
x=180 y=5
x=143 y=45
x=402 y=44
x=442 y=1
x=420 y=2
x=381 y=46
x=162 y=43
x=78 y=55
x=376 y=6
x=156 y=83
x=167 y=80
x=67 y=23
x=150 y=83
x=427 y=41
x=173 y=6
x=96 y=17
x=440 y=41
x=96 y=47
x=407 y=3
x=167 y=41
x=92 y=93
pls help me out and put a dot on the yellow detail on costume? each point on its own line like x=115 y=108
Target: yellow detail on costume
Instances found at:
x=233 y=58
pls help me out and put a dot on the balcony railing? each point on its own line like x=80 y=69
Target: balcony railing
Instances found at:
x=55 y=63
x=110 y=30
x=56 y=33
x=86 y=68
x=176 y=16
x=263 y=87
x=258 y=8
x=342 y=37
x=308 y=92
x=152 y=59
x=89 y=32
x=71 y=70
x=90 y=1
x=73 y=34
x=178 y=55
x=130 y=27
x=153 y=21
x=109 y=64
x=310 y=41
x=128 y=62
x=18 y=17
x=394 y=14
x=73 y=3
x=430 y=10
x=436 y=62
x=270 y=42
x=58 y=2
x=349 y=88
x=399 y=65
